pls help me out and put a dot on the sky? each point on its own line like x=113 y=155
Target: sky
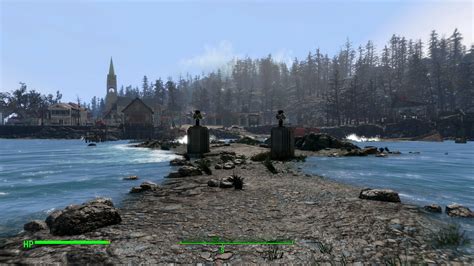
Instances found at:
x=66 y=45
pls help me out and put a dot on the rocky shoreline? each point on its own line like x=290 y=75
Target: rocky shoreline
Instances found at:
x=329 y=222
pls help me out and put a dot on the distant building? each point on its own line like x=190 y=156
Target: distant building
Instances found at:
x=63 y=114
x=137 y=113
x=68 y=114
x=114 y=105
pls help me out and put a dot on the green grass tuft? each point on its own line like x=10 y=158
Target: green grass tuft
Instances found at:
x=205 y=166
x=450 y=235
x=260 y=157
x=269 y=165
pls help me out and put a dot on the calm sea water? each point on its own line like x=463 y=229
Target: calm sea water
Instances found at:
x=442 y=173
x=38 y=176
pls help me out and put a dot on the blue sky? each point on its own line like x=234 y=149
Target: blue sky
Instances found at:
x=67 y=45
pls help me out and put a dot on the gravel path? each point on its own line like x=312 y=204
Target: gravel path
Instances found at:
x=327 y=221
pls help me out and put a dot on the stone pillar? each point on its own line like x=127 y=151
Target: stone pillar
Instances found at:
x=282 y=143
x=198 y=140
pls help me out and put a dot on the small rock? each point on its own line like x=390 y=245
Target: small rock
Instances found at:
x=218 y=166
x=459 y=211
x=213 y=183
x=433 y=208
x=379 y=195
x=132 y=177
x=378 y=243
x=136 y=190
x=229 y=165
x=226 y=184
x=205 y=255
x=238 y=161
x=383 y=155
x=224 y=256
x=35 y=226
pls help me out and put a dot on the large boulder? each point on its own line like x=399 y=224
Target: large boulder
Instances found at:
x=459 y=211
x=433 y=208
x=369 y=150
x=249 y=141
x=179 y=162
x=379 y=195
x=35 y=225
x=317 y=142
x=79 y=219
x=189 y=171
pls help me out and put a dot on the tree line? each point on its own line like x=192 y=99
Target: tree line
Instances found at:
x=357 y=85
x=27 y=103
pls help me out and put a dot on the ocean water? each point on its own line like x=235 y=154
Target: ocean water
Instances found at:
x=39 y=176
x=442 y=173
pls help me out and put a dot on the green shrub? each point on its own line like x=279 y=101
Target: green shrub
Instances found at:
x=269 y=165
x=238 y=181
x=260 y=157
x=204 y=165
x=450 y=235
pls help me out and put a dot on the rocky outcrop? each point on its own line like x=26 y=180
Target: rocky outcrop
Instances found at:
x=459 y=211
x=317 y=142
x=145 y=186
x=223 y=133
x=185 y=171
x=79 y=219
x=189 y=171
x=433 y=208
x=249 y=141
x=379 y=195
x=35 y=226
x=179 y=162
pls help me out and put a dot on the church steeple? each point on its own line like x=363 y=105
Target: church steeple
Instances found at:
x=111 y=68
x=111 y=95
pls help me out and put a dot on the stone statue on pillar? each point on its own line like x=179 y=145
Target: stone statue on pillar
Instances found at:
x=282 y=140
x=198 y=137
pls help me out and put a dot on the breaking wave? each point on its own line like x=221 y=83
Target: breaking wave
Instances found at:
x=354 y=137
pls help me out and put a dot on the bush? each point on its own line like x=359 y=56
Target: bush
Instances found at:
x=450 y=235
x=204 y=165
x=269 y=164
x=260 y=157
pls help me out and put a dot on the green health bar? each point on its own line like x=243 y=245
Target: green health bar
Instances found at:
x=222 y=244
x=235 y=243
x=29 y=243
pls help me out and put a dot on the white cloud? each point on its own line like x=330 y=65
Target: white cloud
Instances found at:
x=212 y=58
x=441 y=16
x=284 y=56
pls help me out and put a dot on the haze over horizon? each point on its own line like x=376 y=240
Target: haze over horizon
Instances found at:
x=58 y=45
